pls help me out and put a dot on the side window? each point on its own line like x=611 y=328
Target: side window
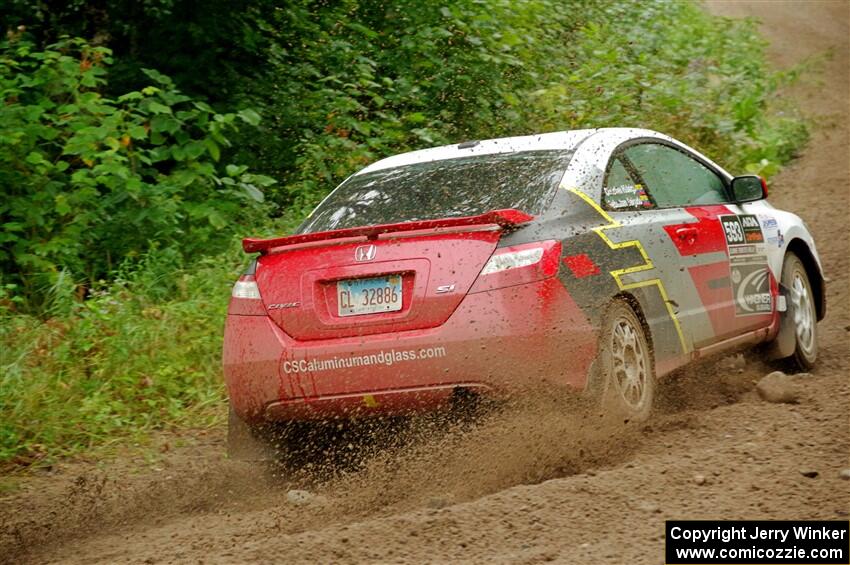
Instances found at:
x=622 y=191
x=673 y=178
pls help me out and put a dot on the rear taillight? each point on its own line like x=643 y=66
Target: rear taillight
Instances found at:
x=246 y=288
x=519 y=264
x=245 y=299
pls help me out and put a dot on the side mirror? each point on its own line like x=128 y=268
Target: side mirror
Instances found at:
x=748 y=188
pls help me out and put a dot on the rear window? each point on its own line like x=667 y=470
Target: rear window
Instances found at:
x=442 y=189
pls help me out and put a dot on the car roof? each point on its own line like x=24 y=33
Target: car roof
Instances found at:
x=559 y=140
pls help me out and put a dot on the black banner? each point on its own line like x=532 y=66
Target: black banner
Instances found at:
x=697 y=542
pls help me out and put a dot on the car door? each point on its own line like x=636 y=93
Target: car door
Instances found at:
x=719 y=277
x=657 y=281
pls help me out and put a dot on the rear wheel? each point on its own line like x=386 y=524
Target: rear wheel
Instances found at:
x=626 y=369
x=800 y=313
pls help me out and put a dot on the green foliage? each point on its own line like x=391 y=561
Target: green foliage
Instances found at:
x=671 y=67
x=340 y=84
x=207 y=47
x=127 y=360
x=141 y=353
x=88 y=182
x=347 y=83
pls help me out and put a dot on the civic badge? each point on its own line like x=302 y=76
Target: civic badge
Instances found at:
x=365 y=253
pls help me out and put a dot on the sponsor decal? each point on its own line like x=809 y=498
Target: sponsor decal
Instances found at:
x=749 y=273
x=388 y=358
x=769 y=225
x=751 y=285
x=741 y=229
x=778 y=240
x=768 y=222
x=743 y=250
x=752 y=229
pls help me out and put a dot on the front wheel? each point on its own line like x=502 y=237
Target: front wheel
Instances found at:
x=626 y=366
x=800 y=312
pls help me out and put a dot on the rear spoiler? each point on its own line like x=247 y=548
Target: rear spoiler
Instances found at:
x=509 y=218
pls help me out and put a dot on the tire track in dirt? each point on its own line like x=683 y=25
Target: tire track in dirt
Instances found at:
x=532 y=484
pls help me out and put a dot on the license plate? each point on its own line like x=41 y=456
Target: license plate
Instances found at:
x=368 y=296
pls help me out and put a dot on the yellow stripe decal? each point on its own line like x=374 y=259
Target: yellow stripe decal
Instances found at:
x=647 y=266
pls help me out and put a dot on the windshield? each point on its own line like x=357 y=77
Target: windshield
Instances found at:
x=442 y=189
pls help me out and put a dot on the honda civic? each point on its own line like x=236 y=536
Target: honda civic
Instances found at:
x=596 y=260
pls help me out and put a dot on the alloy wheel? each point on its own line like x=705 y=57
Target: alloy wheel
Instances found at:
x=630 y=369
x=804 y=318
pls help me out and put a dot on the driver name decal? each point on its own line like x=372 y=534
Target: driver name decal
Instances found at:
x=627 y=196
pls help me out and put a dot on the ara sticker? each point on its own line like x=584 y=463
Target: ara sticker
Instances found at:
x=752 y=228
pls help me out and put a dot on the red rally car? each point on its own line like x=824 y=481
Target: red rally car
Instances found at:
x=595 y=259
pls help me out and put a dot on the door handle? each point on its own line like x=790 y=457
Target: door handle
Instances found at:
x=687 y=234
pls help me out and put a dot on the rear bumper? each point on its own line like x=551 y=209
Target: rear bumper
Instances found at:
x=496 y=341
x=393 y=401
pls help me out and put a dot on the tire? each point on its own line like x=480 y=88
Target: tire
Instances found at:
x=626 y=368
x=800 y=301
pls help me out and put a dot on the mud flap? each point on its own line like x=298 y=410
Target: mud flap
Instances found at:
x=785 y=342
x=595 y=384
x=243 y=443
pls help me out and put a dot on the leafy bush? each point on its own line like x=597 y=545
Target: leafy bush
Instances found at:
x=341 y=84
x=89 y=182
x=123 y=363
x=671 y=67
x=141 y=353
x=348 y=83
x=351 y=82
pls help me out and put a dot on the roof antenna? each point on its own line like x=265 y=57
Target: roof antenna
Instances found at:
x=467 y=144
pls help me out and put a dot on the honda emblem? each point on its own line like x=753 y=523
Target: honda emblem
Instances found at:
x=365 y=253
